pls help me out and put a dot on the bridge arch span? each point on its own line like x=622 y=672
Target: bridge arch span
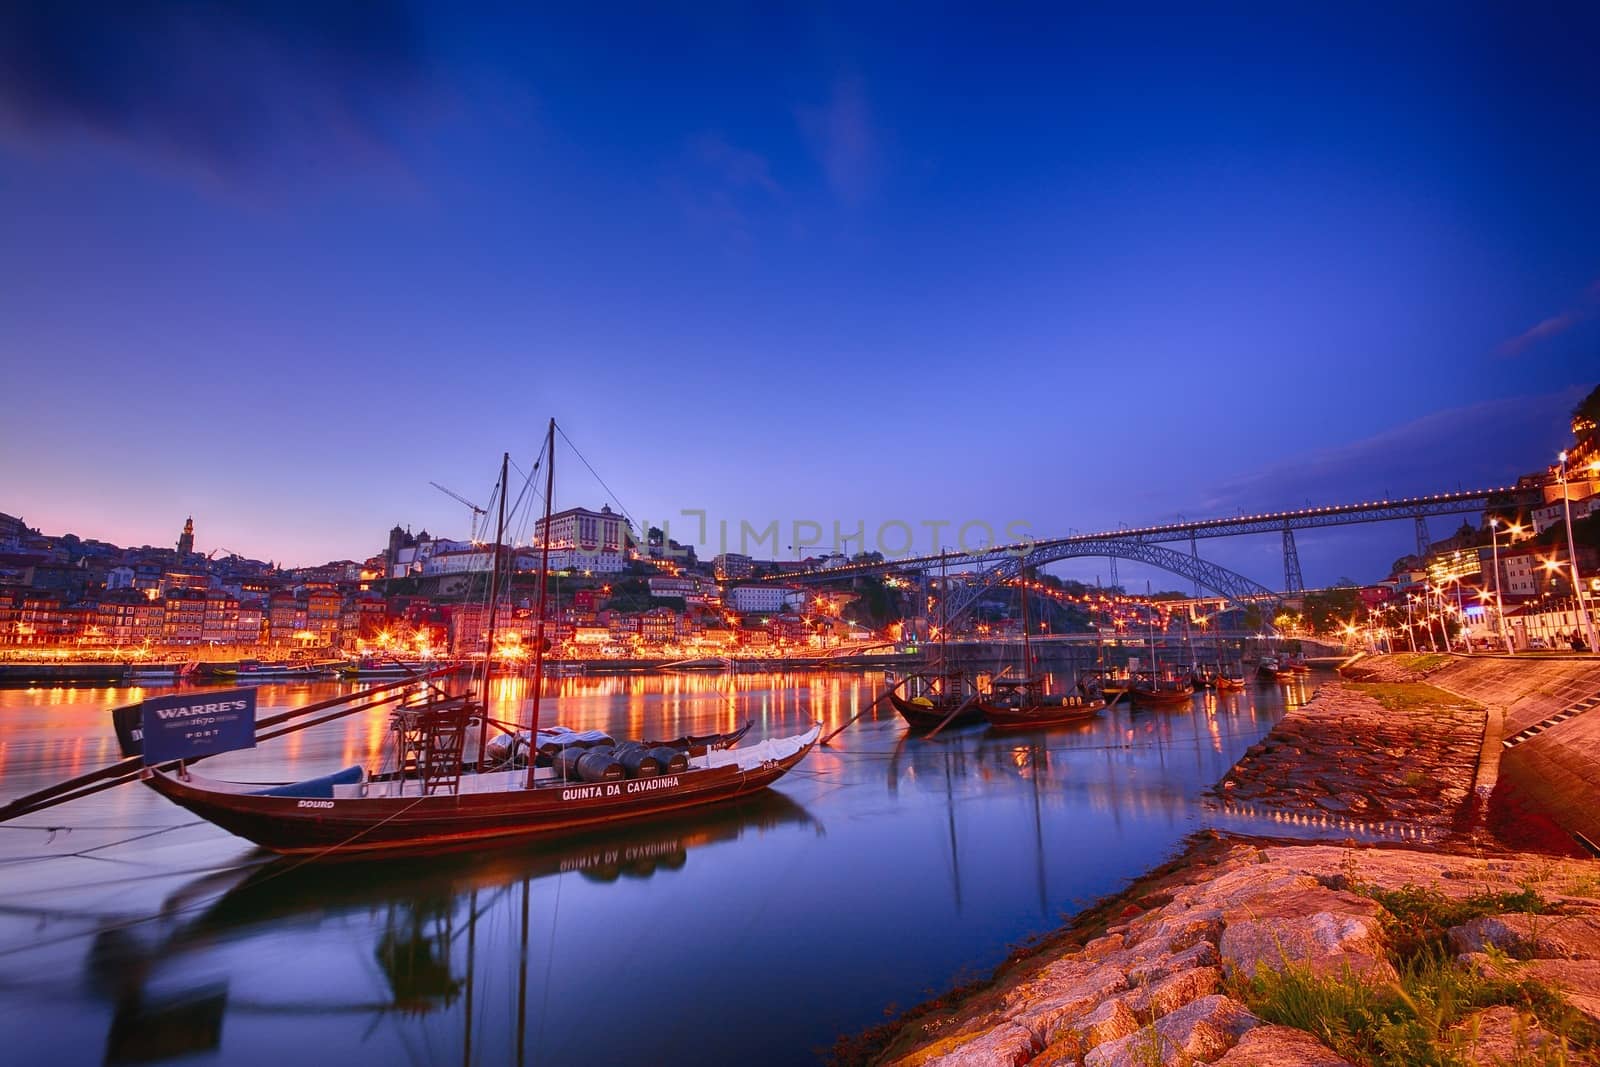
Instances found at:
x=1235 y=588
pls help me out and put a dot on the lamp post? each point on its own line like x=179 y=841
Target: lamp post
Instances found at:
x=1499 y=605
x=1444 y=620
x=1411 y=636
x=1572 y=558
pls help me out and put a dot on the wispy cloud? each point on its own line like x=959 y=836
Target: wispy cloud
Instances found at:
x=738 y=167
x=1555 y=325
x=845 y=141
x=724 y=189
x=226 y=90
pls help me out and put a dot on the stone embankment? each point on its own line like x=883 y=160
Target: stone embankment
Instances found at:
x=1266 y=954
x=1379 y=764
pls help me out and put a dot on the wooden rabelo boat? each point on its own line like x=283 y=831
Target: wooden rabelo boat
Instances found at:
x=1155 y=691
x=1103 y=682
x=944 y=699
x=436 y=796
x=348 y=814
x=1023 y=703
x=1230 y=681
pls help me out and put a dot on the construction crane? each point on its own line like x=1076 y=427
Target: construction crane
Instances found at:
x=477 y=512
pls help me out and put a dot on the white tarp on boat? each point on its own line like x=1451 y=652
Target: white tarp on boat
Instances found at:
x=750 y=757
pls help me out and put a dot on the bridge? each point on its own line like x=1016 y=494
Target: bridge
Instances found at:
x=1146 y=545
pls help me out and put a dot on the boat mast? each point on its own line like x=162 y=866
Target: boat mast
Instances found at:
x=1027 y=647
x=544 y=581
x=494 y=605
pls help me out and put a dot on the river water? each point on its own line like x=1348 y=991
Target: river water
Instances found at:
x=882 y=870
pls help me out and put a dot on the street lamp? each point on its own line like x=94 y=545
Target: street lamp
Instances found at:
x=1572 y=556
x=1499 y=605
x=1444 y=616
x=1411 y=637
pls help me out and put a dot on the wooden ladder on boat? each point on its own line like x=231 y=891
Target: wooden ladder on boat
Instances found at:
x=431 y=741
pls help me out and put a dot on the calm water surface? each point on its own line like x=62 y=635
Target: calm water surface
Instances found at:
x=880 y=871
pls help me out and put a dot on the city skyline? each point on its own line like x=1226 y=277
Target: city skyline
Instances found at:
x=1072 y=271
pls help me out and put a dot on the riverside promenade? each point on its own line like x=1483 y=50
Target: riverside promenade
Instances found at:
x=1413 y=889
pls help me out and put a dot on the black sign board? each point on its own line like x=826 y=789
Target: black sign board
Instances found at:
x=186 y=725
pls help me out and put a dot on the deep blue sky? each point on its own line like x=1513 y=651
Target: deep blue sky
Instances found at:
x=278 y=266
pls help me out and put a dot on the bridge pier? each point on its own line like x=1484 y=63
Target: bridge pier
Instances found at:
x=1423 y=540
x=1194 y=551
x=1292 y=580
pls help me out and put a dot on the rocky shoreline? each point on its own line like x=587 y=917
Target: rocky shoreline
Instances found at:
x=1259 y=952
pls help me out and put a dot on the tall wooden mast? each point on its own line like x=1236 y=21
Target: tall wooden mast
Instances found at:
x=494 y=605
x=544 y=581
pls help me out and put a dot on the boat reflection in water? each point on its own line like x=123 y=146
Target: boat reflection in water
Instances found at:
x=434 y=930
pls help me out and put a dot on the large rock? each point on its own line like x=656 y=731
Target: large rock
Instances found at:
x=1280 y=1046
x=1578 y=981
x=1149 y=971
x=1111 y=1021
x=1200 y=1030
x=1007 y=1045
x=1174 y=991
x=1328 y=930
x=1046 y=1015
x=1501 y=1037
x=1571 y=937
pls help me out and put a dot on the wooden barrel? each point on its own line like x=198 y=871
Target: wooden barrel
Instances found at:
x=566 y=762
x=599 y=765
x=672 y=760
x=637 y=760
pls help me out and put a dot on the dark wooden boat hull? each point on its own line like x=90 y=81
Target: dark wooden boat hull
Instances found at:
x=1162 y=697
x=362 y=826
x=928 y=716
x=1036 y=716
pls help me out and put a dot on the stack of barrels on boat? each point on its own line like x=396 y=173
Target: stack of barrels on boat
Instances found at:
x=590 y=757
x=610 y=763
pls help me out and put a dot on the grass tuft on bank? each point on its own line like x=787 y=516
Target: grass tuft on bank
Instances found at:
x=1423 y=1018
x=1410 y=696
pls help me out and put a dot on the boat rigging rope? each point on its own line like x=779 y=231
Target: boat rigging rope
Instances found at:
x=609 y=492
x=85 y=853
x=206 y=902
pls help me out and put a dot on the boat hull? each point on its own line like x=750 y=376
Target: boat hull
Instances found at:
x=343 y=828
x=928 y=716
x=1162 y=698
x=1037 y=716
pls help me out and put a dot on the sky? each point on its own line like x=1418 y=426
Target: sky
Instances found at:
x=280 y=266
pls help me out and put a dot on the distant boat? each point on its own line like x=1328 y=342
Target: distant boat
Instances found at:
x=1103 y=682
x=1023 y=703
x=250 y=670
x=1230 y=680
x=1161 y=692
x=938 y=696
x=1275 y=670
x=367 y=668
x=941 y=696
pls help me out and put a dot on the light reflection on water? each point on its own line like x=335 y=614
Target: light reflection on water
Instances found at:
x=881 y=869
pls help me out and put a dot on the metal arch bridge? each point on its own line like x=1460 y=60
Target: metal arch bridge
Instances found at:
x=1142 y=544
x=1233 y=587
